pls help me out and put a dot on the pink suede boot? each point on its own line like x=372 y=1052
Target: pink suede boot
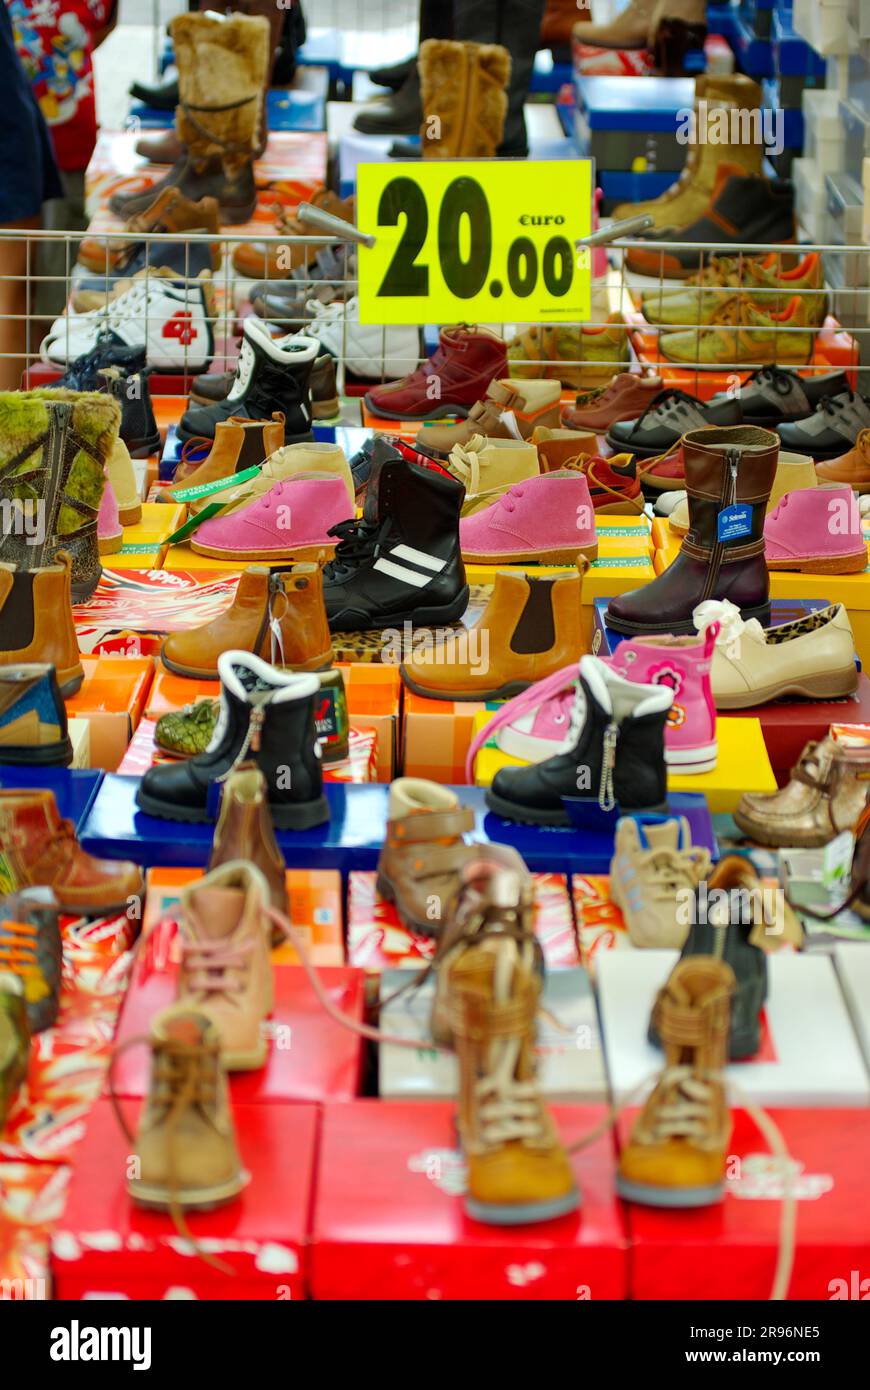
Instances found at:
x=549 y=519
x=683 y=663
x=290 y=522
x=110 y=532
x=816 y=531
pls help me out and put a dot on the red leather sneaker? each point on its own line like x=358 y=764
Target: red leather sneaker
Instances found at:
x=453 y=379
x=665 y=472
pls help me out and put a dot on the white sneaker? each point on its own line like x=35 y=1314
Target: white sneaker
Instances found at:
x=170 y=319
x=367 y=350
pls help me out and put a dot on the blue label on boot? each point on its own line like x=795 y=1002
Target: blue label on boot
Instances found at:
x=734 y=522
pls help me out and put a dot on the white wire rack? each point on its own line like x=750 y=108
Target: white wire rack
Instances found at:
x=221 y=297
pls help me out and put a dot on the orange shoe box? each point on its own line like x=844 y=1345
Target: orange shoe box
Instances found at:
x=373 y=695
x=112 y=699
x=436 y=735
x=315 y=908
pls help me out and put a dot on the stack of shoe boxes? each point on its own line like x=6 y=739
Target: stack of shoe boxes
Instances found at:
x=635 y=145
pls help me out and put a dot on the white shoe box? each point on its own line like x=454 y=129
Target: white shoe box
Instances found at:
x=809 y=198
x=852 y=963
x=570 y=1059
x=823 y=132
x=816 y=1058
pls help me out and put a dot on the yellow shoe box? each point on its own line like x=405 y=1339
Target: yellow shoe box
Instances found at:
x=742 y=765
x=182 y=557
x=145 y=545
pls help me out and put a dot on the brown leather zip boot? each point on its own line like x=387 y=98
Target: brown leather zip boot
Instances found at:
x=278 y=615
x=36 y=621
x=729 y=475
x=529 y=629
x=238 y=444
x=245 y=831
x=169 y=212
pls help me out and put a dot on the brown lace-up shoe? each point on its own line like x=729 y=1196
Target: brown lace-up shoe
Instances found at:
x=676 y=1154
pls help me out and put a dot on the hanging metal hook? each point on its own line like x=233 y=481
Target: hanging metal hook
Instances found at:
x=628 y=227
x=334 y=226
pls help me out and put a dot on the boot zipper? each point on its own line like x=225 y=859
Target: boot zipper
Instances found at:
x=271 y=623
x=606 y=798
x=466 y=95
x=729 y=497
x=59 y=413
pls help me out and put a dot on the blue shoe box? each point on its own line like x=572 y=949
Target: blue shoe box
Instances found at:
x=74 y=788
x=354 y=834
x=613 y=128
x=620 y=187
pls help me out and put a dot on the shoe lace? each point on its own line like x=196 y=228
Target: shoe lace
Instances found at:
x=464 y=462
x=667 y=403
x=508 y=1109
x=776 y=377
x=358 y=541
x=684 y=1112
x=732 y=626
x=215 y=966
x=550 y=688
x=198 y=444
x=811 y=769
x=665 y=871
x=593 y=466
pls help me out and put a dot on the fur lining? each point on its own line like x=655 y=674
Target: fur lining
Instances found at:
x=463 y=85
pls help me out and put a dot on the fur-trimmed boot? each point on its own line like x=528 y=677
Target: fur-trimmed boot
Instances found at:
x=464 y=98
x=222 y=67
x=54 y=446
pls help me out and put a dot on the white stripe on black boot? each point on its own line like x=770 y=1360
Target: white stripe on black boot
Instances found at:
x=400 y=562
x=612 y=756
x=267 y=718
x=271 y=374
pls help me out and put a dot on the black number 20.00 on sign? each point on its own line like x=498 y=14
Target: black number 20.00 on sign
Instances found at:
x=464 y=277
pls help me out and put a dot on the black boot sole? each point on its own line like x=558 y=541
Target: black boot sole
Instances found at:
x=51 y=755
x=300 y=817
x=85 y=590
x=683 y=629
x=351 y=620
x=640 y=451
x=525 y=815
x=441 y=412
x=502 y=692
x=144 y=448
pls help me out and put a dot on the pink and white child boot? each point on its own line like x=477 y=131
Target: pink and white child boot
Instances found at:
x=110 y=532
x=816 y=531
x=684 y=664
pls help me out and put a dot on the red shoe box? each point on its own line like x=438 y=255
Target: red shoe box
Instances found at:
x=32 y=1199
x=389 y=1220
x=310 y=1058
x=107 y=1247
x=789 y=725
x=729 y=1250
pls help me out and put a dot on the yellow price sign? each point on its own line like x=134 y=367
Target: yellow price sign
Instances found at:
x=475 y=241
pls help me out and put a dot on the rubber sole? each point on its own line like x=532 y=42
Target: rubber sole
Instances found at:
x=661 y=484
x=502 y=692
x=83 y=592
x=534 y=557
x=352 y=620
x=626 y=508
x=824 y=564
x=678 y=1197
x=441 y=412
x=302 y=816
x=72 y=683
x=524 y=815
x=325 y=410
x=692 y=762
x=320 y=663
x=522 y=1213
x=639 y=451
x=130 y=516
x=683 y=629
x=48 y=755
x=263 y=557
x=111 y=545
x=828 y=686
x=144 y=448
x=198 y=1199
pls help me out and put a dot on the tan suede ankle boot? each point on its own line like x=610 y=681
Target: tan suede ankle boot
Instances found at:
x=463 y=87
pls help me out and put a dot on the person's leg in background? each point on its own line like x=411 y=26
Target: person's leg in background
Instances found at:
x=401 y=113
x=516 y=24
x=14 y=302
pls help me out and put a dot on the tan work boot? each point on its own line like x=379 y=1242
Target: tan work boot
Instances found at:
x=278 y=615
x=488 y=467
x=630 y=28
x=185 y=1146
x=511 y=410
x=36 y=621
x=826 y=795
x=685 y=201
x=487 y=996
x=225 y=967
x=529 y=629
x=463 y=88
x=654 y=867
x=576 y=356
x=170 y=212
x=678 y=1147
x=238 y=445
x=851 y=468
x=245 y=831
x=424 y=852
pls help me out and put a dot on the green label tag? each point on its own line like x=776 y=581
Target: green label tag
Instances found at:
x=193 y=494
x=192 y=522
x=141 y=549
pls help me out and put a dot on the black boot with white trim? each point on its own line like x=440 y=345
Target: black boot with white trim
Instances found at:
x=401 y=561
x=271 y=374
